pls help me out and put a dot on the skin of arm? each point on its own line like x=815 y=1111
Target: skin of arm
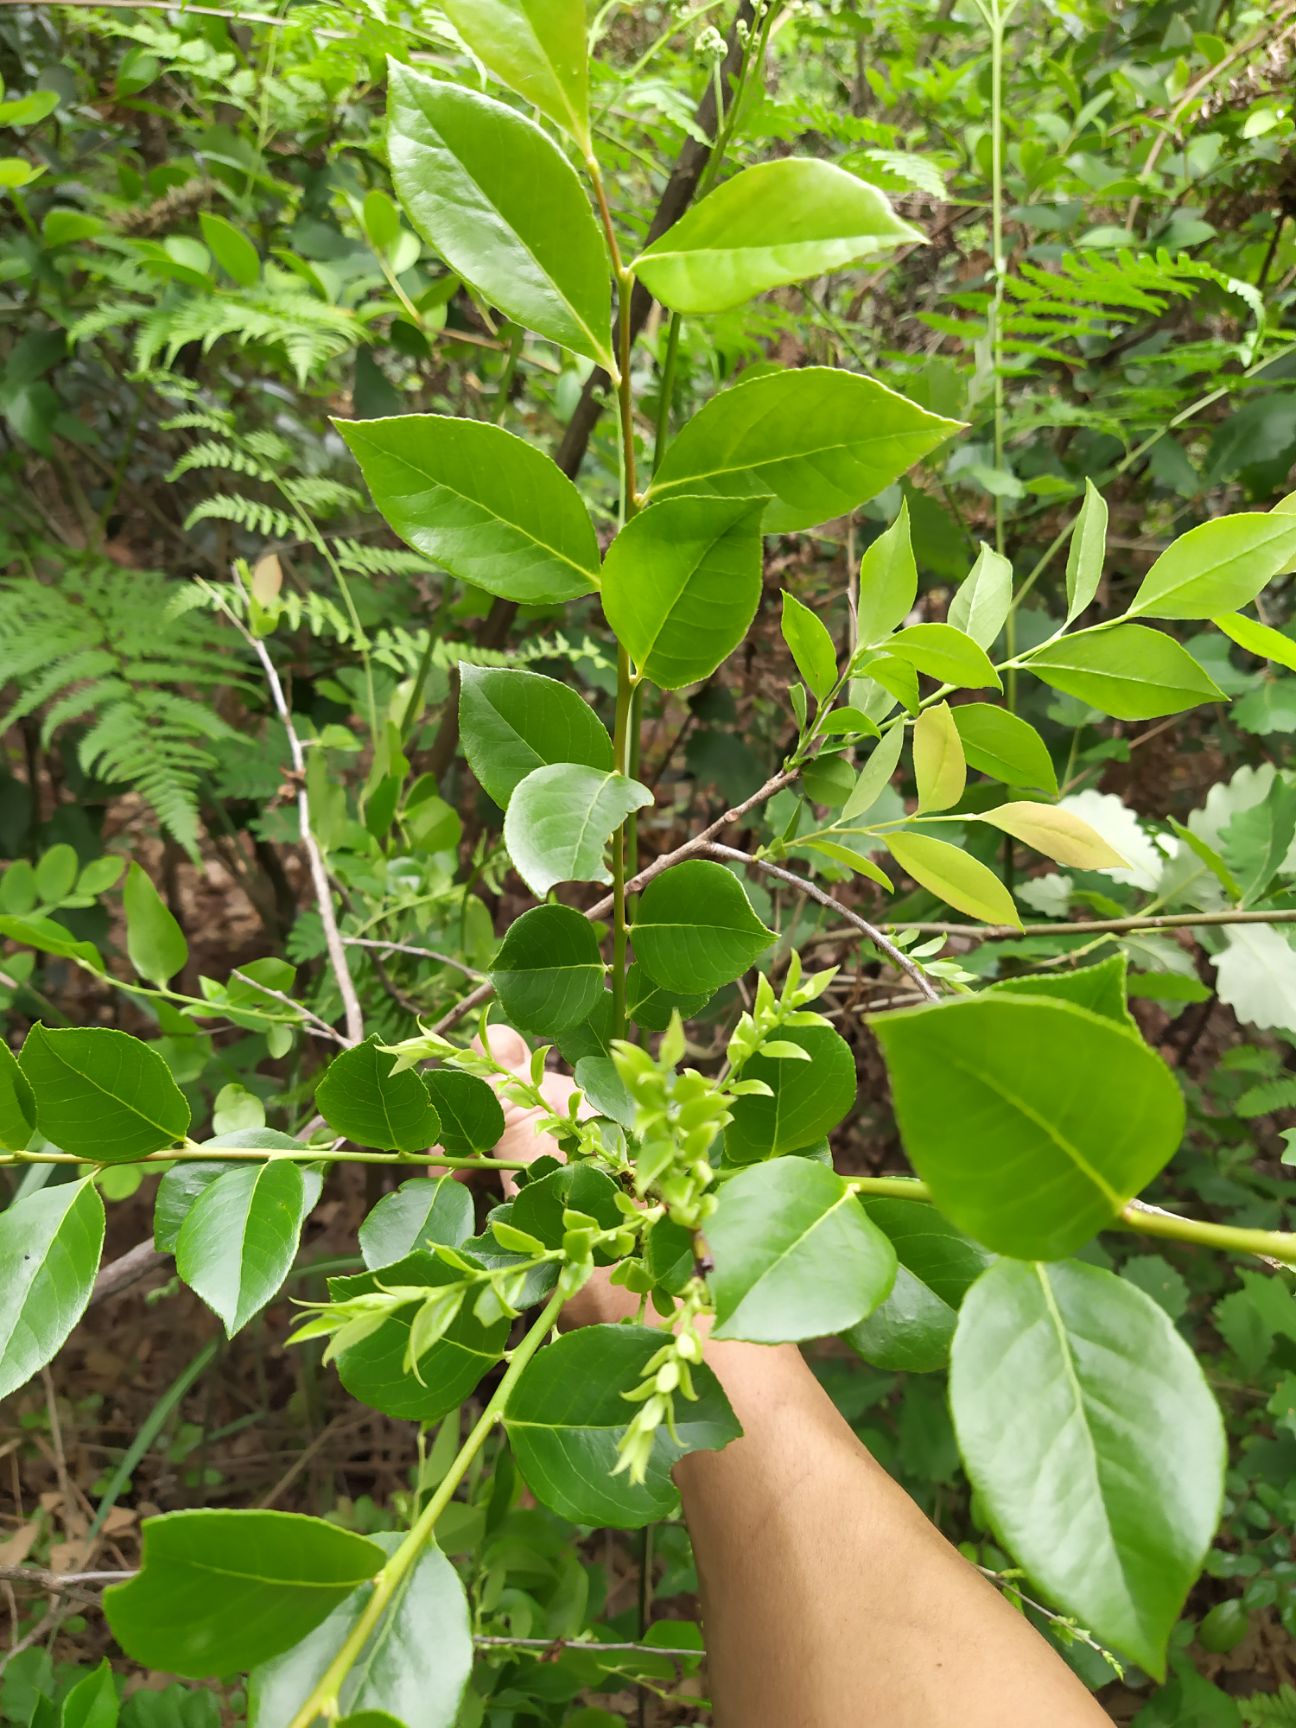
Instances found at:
x=829 y=1600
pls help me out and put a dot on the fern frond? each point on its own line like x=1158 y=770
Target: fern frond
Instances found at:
x=1268 y=1097
x=266 y=521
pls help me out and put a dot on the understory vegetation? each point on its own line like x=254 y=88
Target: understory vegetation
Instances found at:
x=752 y=545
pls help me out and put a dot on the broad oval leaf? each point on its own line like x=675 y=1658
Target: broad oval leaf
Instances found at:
x=239 y=1238
x=775 y=223
x=536 y=47
x=1084 y=566
x=650 y=1005
x=373 y=1369
x=695 y=928
x=179 y=1188
x=220 y=1591
x=1129 y=671
x=1033 y=1122
x=981 y=604
x=888 y=581
x=503 y=207
x=940 y=767
x=155 y=943
x=567 y=1415
x=484 y=504
x=472 y=1119
x=414 y=1666
x=50 y=1243
x=1004 y=746
x=821 y=440
x=911 y=1331
x=1100 y=988
x=560 y=819
x=942 y=652
x=795 y=1254
x=952 y=875
x=1059 y=834
x=414 y=1216
x=101 y=1094
x=681 y=583
x=548 y=973
x=1107 y=1483
x=806 y=1098
x=1218 y=566
x=361 y=1098
x=512 y=722
x=810 y=646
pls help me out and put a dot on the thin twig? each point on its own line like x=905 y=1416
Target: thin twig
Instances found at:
x=1101 y=926
x=813 y=891
x=409 y=948
x=319 y=875
x=321 y=1025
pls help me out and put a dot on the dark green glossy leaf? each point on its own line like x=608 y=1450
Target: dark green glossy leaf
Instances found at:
x=472 y=1120
x=1062 y=1116
x=179 y=1188
x=219 y=1592
x=651 y=1006
x=695 y=928
x=795 y=1254
x=548 y=972
x=1108 y=1489
x=414 y=1666
x=50 y=1244
x=512 y=722
x=808 y=1098
x=361 y=1098
x=911 y=1331
x=102 y=1094
x=487 y=506
x=417 y=1213
x=17 y=1103
x=503 y=207
x=567 y=1415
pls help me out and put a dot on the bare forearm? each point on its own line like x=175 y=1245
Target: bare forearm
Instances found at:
x=828 y=1598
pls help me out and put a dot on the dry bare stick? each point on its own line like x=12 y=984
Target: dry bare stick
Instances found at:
x=319 y=875
x=813 y=891
x=409 y=948
x=314 y=1020
x=1101 y=926
x=690 y=849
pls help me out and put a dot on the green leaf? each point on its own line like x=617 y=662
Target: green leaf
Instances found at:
x=219 y=1592
x=1059 y=834
x=512 y=722
x=536 y=47
x=548 y=973
x=180 y=1186
x=681 y=583
x=101 y=1094
x=1108 y=1492
x=361 y=1098
x=1100 y=988
x=651 y=1007
x=894 y=675
x=471 y=1118
x=539 y=1207
x=414 y=1666
x=1257 y=638
x=810 y=645
x=560 y=819
x=374 y=1370
x=503 y=207
x=234 y=252
x=695 y=928
x=852 y=860
x=1062 y=1117
x=239 y=1239
x=567 y=1415
x=1088 y=548
x=888 y=581
x=484 y=504
x=48 y=936
x=1129 y=671
x=953 y=876
x=92 y=1702
x=50 y=1244
x=911 y=1331
x=940 y=768
x=17 y=1103
x=1004 y=746
x=1218 y=566
x=942 y=652
x=807 y=1098
x=154 y=941
x=875 y=776
x=821 y=440
x=418 y=1213
x=795 y=1255
x=980 y=607
x=778 y=222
